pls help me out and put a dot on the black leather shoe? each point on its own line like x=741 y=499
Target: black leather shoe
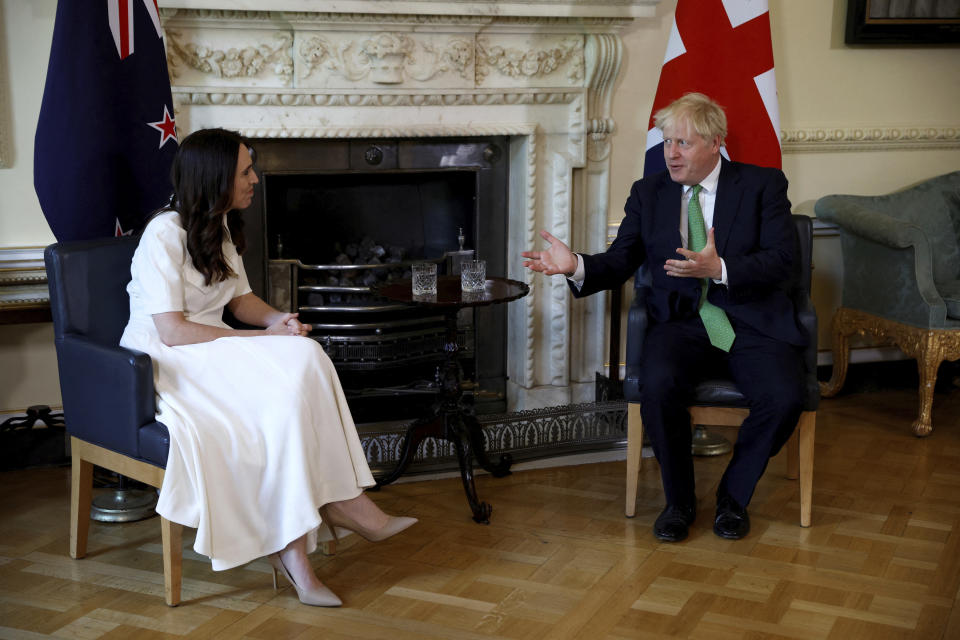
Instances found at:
x=732 y=521
x=673 y=523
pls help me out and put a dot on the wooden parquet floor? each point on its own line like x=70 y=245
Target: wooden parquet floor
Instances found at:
x=882 y=559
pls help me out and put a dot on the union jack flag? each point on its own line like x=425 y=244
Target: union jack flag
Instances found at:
x=106 y=135
x=722 y=48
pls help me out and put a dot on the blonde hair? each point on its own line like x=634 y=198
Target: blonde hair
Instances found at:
x=704 y=115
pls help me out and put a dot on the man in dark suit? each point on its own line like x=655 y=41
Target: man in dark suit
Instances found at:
x=720 y=244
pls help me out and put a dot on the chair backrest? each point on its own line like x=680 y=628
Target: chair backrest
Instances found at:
x=804 y=226
x=932 y=205
x=88 y=287
x=799 y=290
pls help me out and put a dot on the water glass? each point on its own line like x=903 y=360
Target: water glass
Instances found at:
x=424 y=278
x=473 y=275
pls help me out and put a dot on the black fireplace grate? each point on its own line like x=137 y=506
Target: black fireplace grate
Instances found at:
x=376 y=351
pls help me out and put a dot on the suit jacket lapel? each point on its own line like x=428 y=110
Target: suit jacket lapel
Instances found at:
x=726 y=205
x=668 y=210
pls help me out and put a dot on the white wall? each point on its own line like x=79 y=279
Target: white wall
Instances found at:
x=822 y=84
x=28 y=363
x=28 y=367
x=27 y=31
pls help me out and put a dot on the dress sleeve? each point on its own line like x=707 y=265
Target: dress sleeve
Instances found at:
x=158 y=267
x=236 y=263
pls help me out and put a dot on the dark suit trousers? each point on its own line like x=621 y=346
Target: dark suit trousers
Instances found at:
x=677 y=355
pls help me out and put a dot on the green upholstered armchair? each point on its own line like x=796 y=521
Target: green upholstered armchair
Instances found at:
x=901 y=278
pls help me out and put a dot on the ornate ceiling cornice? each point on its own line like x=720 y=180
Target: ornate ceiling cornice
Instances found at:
x=498 y=9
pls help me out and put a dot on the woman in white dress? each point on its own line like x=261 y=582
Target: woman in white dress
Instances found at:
x=263 y=449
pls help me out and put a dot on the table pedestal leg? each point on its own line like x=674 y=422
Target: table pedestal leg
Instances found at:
x=468 y=443
x=463 y=442
x=452 y=420
x=475 y=432
x=431 y=427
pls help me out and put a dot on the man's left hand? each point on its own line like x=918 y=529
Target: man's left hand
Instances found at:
x=702 y=264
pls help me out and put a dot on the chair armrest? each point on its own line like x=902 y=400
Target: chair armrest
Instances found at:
x=107 y=392
x=869 y=223
x=887 y=264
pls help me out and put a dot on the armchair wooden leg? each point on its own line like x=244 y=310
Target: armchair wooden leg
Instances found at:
x=81 y=495
x=171 y=535
x=928 y=363
x=842 y=329
x=793 y=454
x=634 y=450
x=807 y=430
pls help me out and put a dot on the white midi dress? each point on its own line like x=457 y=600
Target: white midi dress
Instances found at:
x=260 y=432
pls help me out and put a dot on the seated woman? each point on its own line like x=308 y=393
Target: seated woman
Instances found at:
x=263 y=449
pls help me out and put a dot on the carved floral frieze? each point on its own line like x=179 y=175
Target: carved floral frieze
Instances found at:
x=385 y=58
x=528 y=63
x=239 y=62
x=301 y=50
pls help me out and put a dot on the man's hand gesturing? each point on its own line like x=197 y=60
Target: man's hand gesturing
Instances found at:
x=702 y=264
x=557 y=259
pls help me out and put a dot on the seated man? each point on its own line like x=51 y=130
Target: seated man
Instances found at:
x=720 y=244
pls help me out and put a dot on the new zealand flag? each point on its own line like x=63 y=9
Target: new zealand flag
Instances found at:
x=106 y=135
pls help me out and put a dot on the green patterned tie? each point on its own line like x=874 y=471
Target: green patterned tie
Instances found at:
x=714 y=318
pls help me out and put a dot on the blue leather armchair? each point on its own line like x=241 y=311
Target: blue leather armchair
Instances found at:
x=901 y=278
x=108 y=397
x=717 y=401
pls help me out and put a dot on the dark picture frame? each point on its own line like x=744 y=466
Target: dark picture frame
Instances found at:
x=866 y=27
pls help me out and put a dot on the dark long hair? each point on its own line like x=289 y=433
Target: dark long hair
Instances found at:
x=203 y=175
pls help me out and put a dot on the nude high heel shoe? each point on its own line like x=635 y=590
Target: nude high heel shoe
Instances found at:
x=395 y=524
x=320 y=597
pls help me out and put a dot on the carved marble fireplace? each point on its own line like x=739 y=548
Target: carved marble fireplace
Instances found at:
x=540 y=72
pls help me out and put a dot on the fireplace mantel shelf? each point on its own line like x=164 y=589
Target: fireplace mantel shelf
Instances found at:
x=516 y=8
